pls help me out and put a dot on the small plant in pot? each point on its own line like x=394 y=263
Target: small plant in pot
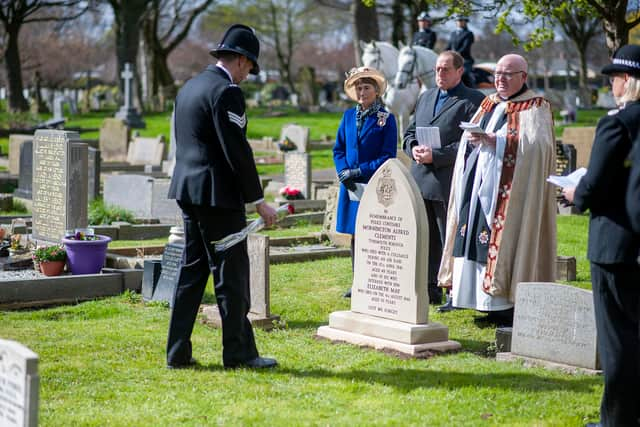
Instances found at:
x=86 y=251
x=50 y=259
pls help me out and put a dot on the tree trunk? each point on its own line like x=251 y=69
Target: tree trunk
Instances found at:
x=397 y=20
x=17 y=103
x=365 y=21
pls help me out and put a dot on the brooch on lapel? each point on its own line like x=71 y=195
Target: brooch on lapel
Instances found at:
x=382 y=118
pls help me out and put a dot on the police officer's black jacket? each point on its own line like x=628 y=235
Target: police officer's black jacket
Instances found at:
x=425 y=38
x=214 y=162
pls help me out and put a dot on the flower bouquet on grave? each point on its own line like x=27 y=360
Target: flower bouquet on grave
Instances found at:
x=287 y=145
x=291 y=193
x=257 y=225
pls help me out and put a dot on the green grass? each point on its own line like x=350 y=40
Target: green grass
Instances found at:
x=102 y=363
x=583 y=118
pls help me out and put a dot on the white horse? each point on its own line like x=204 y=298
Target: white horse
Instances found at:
x=383 y=56
x=416 y=62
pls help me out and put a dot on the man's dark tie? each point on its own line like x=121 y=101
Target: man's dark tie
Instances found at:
x=442 y=98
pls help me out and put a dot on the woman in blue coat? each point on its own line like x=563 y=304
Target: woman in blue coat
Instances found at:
x=366 y=138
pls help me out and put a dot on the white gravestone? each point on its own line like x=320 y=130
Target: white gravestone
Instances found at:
x=297 y=172
x=554 y=323
x=19 y=385
x=390 y=303
x=297 y=134
x=146 y=151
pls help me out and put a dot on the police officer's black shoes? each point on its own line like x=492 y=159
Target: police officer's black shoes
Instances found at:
x=190 y=364
x=257 y=363
x=347 y=294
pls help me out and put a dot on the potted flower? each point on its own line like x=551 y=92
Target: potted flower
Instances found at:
x=50 y=259
x=291 y=193
x=86 y=251
x=15 y=245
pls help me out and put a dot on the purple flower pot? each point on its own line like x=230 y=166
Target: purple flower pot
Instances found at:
x=86 y=256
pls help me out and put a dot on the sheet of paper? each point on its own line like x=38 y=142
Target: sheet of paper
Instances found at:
x=471 y=127
x=429 y=136
x=570 y=180
x=355 y=196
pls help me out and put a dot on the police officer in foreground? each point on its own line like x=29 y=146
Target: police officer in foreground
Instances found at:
x=425 y=36
x=214 y=176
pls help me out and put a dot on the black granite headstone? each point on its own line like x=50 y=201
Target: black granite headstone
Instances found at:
x=565 y=159
x=93 y=167
x=166 y=286
x=25 y=179
x=150 y=277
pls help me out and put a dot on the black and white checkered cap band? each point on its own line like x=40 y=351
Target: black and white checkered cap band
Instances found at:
x=627 y=62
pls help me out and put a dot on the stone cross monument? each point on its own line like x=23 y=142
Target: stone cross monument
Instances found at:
x=127 y=112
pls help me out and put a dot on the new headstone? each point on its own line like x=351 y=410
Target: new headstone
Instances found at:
x=390 y=303
x=582 y=139
x=114 y=140
x=299 y=135
x=554 y=325
x=15 y=141
x=127 y=112
x=59 y=184
x=19 y=385
x=25 y=178
x=166 y=285
x=260 y=311
x=93 y=173
x=297 y=172
x=146 y=151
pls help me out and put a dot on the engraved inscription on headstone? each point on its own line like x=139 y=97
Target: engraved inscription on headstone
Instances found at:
x=555 y=323
x=297 y=172
x=19 y=385
x=171 y=258
x=59 y=184
x=390 y=272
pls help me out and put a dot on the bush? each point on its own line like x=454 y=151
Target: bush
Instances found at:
x=99 y=213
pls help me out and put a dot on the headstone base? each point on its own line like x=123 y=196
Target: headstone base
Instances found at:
x=212 y=317
x=130 y=117
x=532 y=361
x=387 y=334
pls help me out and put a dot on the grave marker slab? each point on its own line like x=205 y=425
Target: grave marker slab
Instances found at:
x=15 y=142
x=93 y=173
x=555 y=323
x=59 y=184
x=390 y=303
x=297 y=134
x=25 y=178
x=166 y=285
x=297 y=172
x=145 y=196
x=19 y=385
x=146 y=151
x=114 y=140
x=582 y=139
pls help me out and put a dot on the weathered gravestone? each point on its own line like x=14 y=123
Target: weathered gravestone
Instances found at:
x=330 y=218
x=59 y=184
x=297 y=172
x=165 y=288
x=114 y=140
x=390 y=303
x=299 y=135
x=15 y=142
x=582 y=139
x=19 y=385
x=25 y=177
x=260 y=311
x=146 y=151
x=145 y=196
x=93 y=173
x=554 y=326
x=128 y=113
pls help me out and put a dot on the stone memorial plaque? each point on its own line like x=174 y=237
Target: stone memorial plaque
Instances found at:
x=565 y=159
x=59 y=184
x=297 y=172
x=93 y=173
x=258 y=249
x=582 y=139
x=15 y=142
x=114 y=140
x=390 y=270
x=25 y=176
x=146 y=151
x=166 y=286
x=555 y=323
x=19 y=385
x=299 y=135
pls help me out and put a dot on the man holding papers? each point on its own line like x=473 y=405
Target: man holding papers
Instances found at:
x=439 y=111
x=501 y=224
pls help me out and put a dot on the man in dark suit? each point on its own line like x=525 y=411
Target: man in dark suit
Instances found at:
x=613 y=246
x=460 y=41
x=214 y=176
x=444 y=107
x=425 y=36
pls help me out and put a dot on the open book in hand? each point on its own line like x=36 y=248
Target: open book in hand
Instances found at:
x=568 y=181
x=471 y=127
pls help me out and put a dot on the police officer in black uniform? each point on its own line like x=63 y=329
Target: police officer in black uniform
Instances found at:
x=425 y=36
x=214 y=176
x=460 y=41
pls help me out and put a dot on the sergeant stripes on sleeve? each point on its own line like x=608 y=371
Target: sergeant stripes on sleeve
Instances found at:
x=241 y=121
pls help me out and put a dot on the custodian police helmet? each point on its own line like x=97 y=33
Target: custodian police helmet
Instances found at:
x=240 y=39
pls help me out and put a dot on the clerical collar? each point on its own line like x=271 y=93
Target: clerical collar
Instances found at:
x=522 y=90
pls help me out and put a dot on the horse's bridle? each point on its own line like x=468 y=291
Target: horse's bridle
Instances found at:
x=378 y=58
x=411 y=65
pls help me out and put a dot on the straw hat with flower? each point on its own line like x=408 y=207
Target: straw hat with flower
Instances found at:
x=363 y=72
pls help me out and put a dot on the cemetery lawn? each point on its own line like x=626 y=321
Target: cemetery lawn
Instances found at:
x=103 y=363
